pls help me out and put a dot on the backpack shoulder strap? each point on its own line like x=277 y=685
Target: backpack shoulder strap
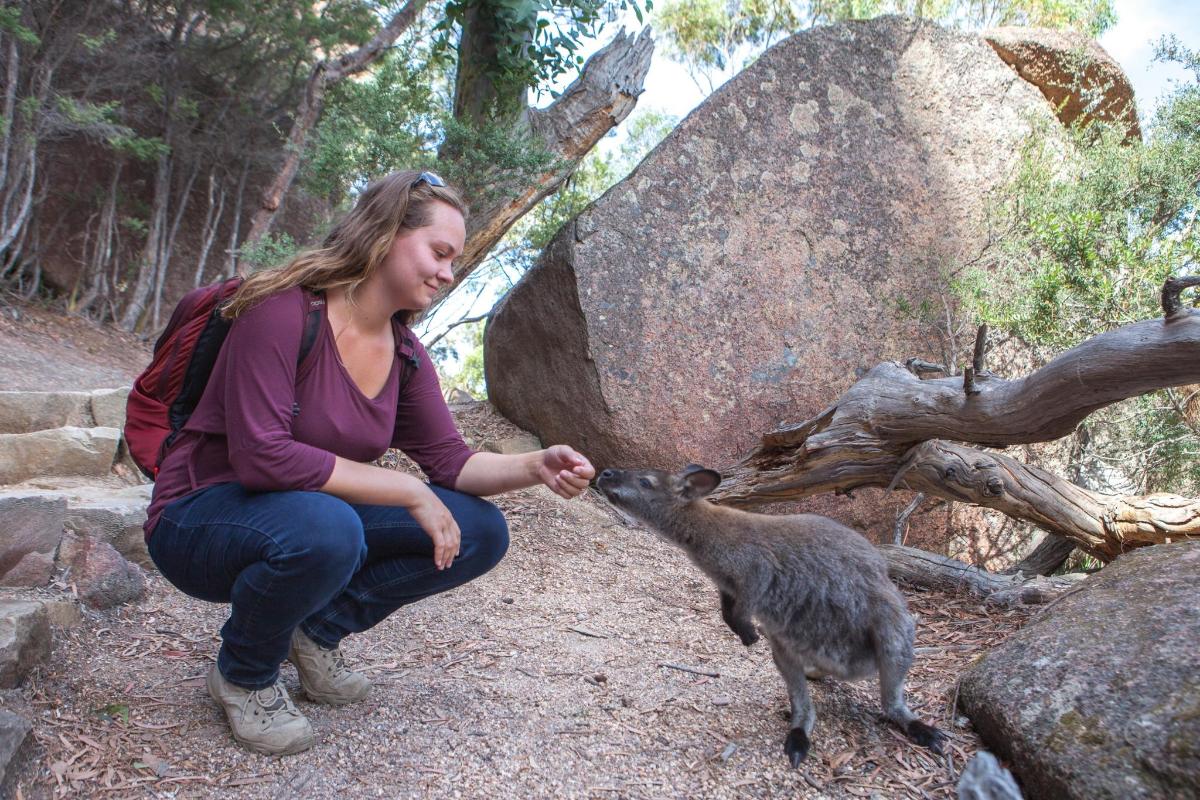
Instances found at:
x=314 y=304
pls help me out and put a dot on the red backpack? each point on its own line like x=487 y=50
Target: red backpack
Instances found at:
x=167 y=392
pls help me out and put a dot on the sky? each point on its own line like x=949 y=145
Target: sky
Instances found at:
x=669 y=88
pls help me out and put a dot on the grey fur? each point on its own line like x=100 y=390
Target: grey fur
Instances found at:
x=818 y=589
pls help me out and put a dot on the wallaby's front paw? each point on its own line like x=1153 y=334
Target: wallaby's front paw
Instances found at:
x=749 y=637
x=796 y=746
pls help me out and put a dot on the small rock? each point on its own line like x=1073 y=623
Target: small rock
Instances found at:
x=985 y=779
x=722 y=700
x=729 y=750
x=506 y=600
x=102 y=575
x=13 y=732
x=24 y=639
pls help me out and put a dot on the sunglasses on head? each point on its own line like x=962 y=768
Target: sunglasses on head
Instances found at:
x=430 y=178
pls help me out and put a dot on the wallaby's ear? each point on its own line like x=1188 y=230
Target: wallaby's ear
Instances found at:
x=690 y=468
x=699 y=482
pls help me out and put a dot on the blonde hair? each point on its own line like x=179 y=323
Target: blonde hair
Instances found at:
x=358 y=243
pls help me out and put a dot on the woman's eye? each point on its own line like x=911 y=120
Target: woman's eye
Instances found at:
x=645 y=482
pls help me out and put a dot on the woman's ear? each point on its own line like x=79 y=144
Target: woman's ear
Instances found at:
x=698 y=481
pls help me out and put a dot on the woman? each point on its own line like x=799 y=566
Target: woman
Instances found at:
x=267 y=501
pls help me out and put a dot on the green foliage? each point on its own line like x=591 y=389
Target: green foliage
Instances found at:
x=706 y=35
x=10 y=22
x=388 y=120
x=489 y=156
x=1085 y=234
x=463 y=346
x=142 y=148
x=713 y=36
x=271 y=251
x=536 y=41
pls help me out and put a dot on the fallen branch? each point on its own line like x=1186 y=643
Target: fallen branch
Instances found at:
x=929 y=570
x=886 y=431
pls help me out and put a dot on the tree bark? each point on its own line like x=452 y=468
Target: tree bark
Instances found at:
x=323 y=75
x=886 y=431
x=932 y=571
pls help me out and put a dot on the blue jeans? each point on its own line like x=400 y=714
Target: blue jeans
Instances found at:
x=292 y=558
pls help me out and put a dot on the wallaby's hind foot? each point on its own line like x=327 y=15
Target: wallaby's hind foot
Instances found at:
x=796 y=746
x=926 y=736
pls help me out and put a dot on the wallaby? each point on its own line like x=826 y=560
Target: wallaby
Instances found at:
x=819 y=590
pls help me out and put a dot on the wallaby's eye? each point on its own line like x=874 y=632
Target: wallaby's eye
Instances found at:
x=645 y=482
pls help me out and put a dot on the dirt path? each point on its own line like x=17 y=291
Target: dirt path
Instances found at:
x=41 y=350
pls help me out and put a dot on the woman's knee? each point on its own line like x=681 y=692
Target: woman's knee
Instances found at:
x=484 y=535
x=329 y=534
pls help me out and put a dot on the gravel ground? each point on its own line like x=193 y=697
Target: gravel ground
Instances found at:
x=544 y=678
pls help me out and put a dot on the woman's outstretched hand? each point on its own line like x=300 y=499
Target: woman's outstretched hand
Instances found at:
x=565 y=471
x=432 y=515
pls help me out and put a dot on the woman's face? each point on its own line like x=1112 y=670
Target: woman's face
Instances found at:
x=418 y=263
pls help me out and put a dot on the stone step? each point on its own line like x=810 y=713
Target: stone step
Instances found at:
x=66 y=451
x=24 y=639
x=27 y=412
x=89 y=535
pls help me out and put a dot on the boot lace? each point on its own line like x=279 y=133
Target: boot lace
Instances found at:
x=270 y=702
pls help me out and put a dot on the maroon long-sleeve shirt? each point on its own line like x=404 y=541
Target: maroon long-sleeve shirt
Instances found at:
x=264 y=426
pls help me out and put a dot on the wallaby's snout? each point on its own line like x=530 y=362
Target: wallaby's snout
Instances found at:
x=642 y=492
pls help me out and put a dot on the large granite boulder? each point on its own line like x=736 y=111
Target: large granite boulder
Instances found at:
x=1099 y=696
x=1077 y=75
x=766 y=250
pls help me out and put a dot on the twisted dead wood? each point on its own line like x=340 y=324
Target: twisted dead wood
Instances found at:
x=890 y=429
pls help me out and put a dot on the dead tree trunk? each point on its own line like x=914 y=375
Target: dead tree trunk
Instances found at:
x=890 y=429
x=605 y=92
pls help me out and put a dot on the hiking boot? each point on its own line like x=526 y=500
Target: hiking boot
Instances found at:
x=323 y=673
x=264 y=720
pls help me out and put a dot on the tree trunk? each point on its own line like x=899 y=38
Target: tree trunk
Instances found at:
x=886 y=431
x=231 y=263
x=324 y=74
x=212 y=223
x=603 y=95
x=148 y=264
